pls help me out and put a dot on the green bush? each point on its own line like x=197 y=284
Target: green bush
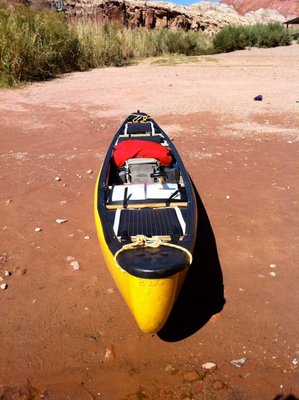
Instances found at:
x=34 y=45
x=269 y=35
x=230 y=39
x=258 y=35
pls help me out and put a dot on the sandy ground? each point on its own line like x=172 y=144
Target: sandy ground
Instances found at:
x=67 y=334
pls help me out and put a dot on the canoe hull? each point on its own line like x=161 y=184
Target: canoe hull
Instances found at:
x=149 y=300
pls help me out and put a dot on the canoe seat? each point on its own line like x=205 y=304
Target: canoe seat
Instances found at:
x=166 y=221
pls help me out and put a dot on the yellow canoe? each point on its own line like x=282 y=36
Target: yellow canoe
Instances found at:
x=146 y=224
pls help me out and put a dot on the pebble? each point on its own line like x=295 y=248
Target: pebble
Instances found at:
x=61 y=221
x=8 y=201
x=70 y=258
x=239 y=362
x=38 y=229
x=90 y=171
x=218 y=385
x=272 y=273
x=57 y=178
x=191 y=376
x=3 y=286
x=87 y=237
x=75 y=265
x=227 y=197
x=272 y=265
x=7 y=273
x=63 y=202
x=110 y=352
x=209 y=366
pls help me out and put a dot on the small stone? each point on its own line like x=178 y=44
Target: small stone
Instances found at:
x=87 y=237
x=239 y=362
x=8 y=201
x=90 y=171
x=57 y=178
x=218 y=385
x=38 y=229
x=191 y=376
x=7 y=273
x=1 y=279
x=272 y=274
x=272 y=265
x=61 y=221
x=170 y=368
x=3 y=286
x=110 y=352
x=227 y=197
x=110 y=290
x=75 y=265
x=209 y=366
x=63 y=202
x=70 y=258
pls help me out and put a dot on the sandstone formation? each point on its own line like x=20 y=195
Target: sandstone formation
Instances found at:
x=204 y=16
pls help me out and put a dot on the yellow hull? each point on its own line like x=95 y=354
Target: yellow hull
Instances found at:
x=149 y=300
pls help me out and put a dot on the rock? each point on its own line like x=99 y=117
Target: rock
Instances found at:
x=87 y=237
x=90 y=171
x=202 y=16
x=272 y=265
x=38 y=229
x=61 y=221
x=3 y=286
x=7 y=273
x=57 y=178
x=75 y=265
x=70 y=258
x=239 y=362
x=209 y=366
x=110 y=352
x=8 y=201
x=218 y=385
x=272 y=274
x=191 y=376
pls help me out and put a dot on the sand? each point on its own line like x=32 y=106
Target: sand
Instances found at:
x=67 y=334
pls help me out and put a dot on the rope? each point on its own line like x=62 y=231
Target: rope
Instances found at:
x=154 y=242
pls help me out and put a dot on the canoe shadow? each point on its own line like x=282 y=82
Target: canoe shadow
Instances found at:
x=202 y=294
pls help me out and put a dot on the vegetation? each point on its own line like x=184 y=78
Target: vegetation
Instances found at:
x=34 y=45
x=258 y=35
x=38 y=45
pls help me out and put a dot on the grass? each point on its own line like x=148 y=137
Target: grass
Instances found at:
x=39 y=45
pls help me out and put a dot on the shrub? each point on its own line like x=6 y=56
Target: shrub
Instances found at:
x=258 y=35
x=269 y=35
x=34 y=45
x=230 y=38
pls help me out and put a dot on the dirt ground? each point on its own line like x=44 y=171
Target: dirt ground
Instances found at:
x=67 y=334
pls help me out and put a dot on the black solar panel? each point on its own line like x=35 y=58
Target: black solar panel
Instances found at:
x=149 y=222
